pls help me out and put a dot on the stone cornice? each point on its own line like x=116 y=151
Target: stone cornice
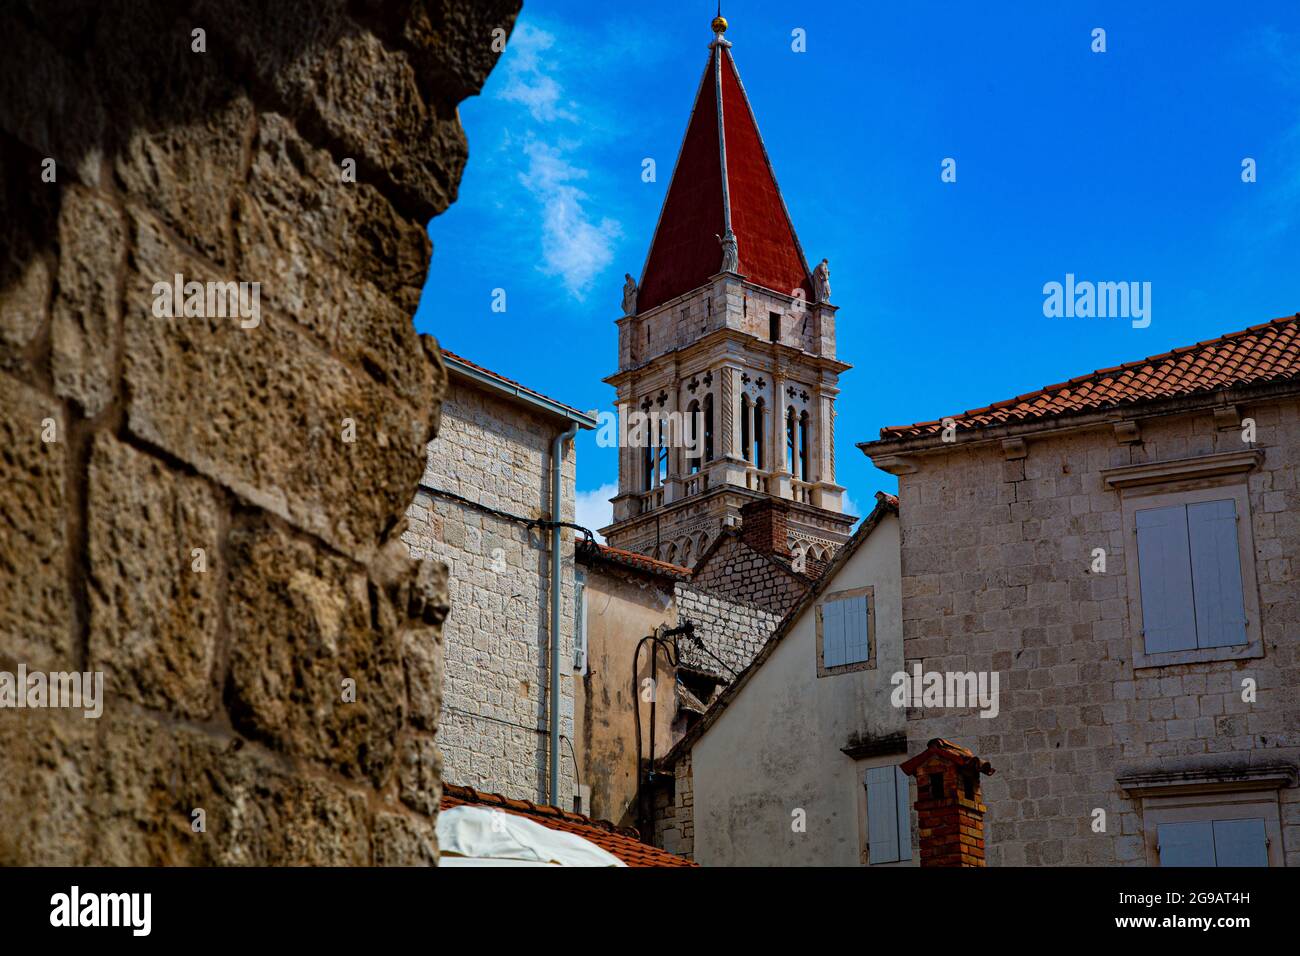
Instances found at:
x=748 y=347
x=1201 y=466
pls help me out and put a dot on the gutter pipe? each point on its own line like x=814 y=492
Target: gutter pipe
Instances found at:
x=557 y=474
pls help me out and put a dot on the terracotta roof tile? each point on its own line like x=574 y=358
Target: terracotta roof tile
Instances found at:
x=620 y=841
x=1261 y=353
x=685 y=251
x=631 y=559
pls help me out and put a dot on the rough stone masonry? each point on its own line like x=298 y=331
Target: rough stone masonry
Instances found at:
x=207 y=513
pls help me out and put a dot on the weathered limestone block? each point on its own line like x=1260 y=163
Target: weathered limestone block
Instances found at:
x=301 y=624
x=422 y=658
x=151 y=779
x=224 y=689
x=92 y=237
x=321 y=271
x=46 y=765
x=388 y=97
x=188 y=174
x=264 y=412
x=351 y=224
x=23 y=311
x=153 y=618
x=420 y=777
x=35 y=609
x=402 y=840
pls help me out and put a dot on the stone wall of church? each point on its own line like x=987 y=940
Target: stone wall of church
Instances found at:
x=207 y=510
x=497 y=453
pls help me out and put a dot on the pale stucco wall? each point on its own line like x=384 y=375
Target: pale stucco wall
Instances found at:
x=776 y=748
x=621 y=608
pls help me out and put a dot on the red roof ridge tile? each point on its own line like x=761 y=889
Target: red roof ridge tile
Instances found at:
x=638 y=560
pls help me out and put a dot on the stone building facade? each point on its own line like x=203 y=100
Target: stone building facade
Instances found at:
x=626 y=598
x=488 y=476
x=1137 y=725
x=729 y=328
x=183 y=509
x=785 y=767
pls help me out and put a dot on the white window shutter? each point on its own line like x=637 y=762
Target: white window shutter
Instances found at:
x=1165 y=573
x=904 y=814
x=580 y=624
x=1216 y=573
x=1186 y=844
x=857 y=644
x=1240 y=843
x=833 y=634
x=882 y=815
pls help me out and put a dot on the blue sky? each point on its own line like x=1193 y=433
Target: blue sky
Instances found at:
x=1116 y=166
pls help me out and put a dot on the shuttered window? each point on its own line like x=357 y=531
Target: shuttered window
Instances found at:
x=846 y=631
x=889 y=822
x=1213 y=843
x=580 y=623
x=1189 y=569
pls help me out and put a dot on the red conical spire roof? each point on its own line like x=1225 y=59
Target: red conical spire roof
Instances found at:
x=722 y=178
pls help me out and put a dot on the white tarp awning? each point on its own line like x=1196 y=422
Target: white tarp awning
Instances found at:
x=477 y=836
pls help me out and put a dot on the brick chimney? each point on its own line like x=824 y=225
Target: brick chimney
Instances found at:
x=765 y=525
x=949 y=806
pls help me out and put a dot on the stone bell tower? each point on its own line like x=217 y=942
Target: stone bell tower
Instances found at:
x=729 y=327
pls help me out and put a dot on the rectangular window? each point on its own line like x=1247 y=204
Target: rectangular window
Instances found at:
x=889 y=819
x=1213 y=843
x=1189 y=574
x=1228 y=824
x=774 y=326
x=845 y=632
x=1189 y=558
x=580 y=623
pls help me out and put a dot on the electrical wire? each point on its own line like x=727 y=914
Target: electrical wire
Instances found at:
x=545 y=731
x=505 y=515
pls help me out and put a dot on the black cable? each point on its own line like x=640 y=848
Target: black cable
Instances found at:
x=721 y=663
x=505 y=515
x=544 y=731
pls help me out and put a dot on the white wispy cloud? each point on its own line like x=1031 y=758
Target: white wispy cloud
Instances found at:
x=526 y=79
x=574 y=245
x=593 y=509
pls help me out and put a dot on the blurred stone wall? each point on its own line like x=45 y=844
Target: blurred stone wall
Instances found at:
x=207 y=509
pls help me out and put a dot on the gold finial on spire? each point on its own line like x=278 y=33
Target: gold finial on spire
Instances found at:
x=719 y=22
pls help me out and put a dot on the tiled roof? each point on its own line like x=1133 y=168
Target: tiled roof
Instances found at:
x=631 y=559
x=621 y=842
x=1261 y=353
x=685 y=250
x=447 y=353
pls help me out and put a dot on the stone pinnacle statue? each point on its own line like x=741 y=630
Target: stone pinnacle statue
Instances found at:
x=730 y=252
x=822 y=281
x=629 y=295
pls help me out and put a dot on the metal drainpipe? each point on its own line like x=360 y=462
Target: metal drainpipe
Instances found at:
x=557 y=474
